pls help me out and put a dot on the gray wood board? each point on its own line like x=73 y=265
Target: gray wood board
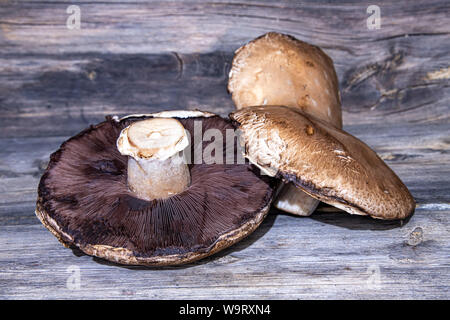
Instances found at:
x=140 y=57
x=326 y=256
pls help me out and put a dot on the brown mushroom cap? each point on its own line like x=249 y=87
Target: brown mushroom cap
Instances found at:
x=84 y=201
x=278 y=69
x=324 y=161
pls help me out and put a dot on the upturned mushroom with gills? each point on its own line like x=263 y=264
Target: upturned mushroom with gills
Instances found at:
x=278 y=69
x=123 y=191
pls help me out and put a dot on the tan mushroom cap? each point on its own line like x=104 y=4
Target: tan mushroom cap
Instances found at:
x=277 y=69
x=324 y=161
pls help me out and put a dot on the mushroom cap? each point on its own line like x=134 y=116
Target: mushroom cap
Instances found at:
x=278 y=69
x=84 y=201
x=322 y=160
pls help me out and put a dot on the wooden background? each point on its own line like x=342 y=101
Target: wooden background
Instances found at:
x=132 y=57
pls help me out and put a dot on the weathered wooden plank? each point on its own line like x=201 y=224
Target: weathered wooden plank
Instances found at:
x=81 y=90
x=198 y=26
x=60 y=96
x=327 y=256
x=139 y=57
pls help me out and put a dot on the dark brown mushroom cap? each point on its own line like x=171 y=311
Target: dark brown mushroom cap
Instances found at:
x=84 y=201
x=278 y=69
x=324 y=161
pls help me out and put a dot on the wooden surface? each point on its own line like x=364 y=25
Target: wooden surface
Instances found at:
x=150 y=56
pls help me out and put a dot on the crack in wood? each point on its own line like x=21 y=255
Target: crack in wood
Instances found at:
x=407 y=35
x=180 y=65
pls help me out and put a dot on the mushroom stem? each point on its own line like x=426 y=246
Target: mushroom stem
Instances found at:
x=156 y=165
x=293 y=200
x=157 y=179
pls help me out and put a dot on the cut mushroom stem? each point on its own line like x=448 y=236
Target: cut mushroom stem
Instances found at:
x=156 y=165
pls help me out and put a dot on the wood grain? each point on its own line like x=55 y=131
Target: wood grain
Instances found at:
x=146 y=56
x=327 y=256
